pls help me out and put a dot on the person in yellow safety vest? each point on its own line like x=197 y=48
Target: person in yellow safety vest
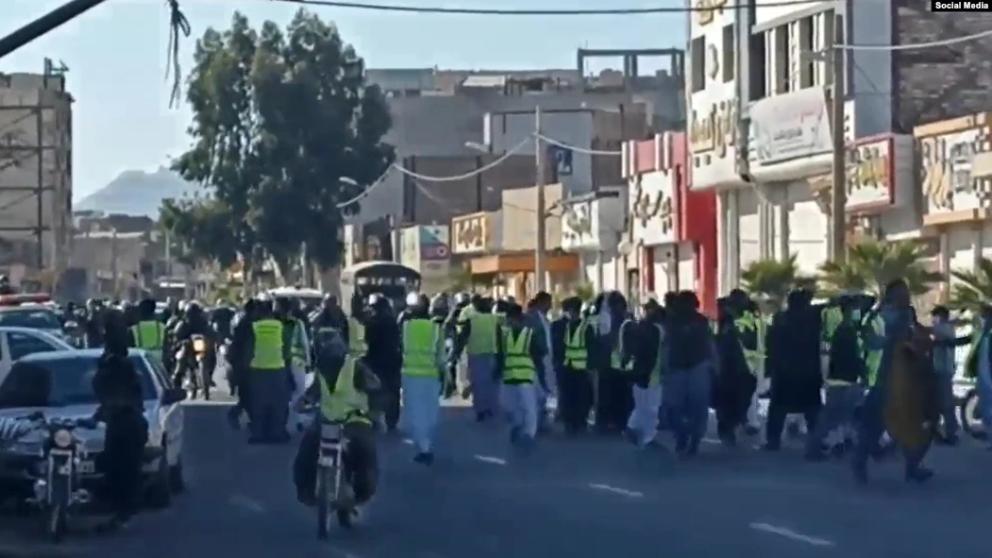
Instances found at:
x=883 y=335
x=983 y=368
x=295 y=337
x=459 y=375
x=650 y=361
x=269 y=377
x=149 y=332
x=344 y=386
x=477 y=338
x=571 y=337
x=752 y=333
x=521 y=367
x=423 y=377
x=845 y=374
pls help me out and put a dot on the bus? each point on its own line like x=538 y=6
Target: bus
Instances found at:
x=390 y=279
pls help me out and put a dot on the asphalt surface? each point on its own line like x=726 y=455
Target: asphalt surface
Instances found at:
x=589 y=496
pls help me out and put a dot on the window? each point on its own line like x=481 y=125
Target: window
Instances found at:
x=729 y=48
x=780 y=53
x=806 y=52
x=23 y=344
x=697 y=62
x=757 y=65
x=826 y=40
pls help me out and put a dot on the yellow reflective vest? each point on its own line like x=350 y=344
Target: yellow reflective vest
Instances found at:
x=268 y=345
x=576 y=351
x=518 y=366
x=149 y=335
x=420 y=342
x=345 y=404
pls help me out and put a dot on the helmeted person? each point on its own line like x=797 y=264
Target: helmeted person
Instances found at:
x=239 y=358
x=423 y=375
x=890 y=335
x=521 y=367
x=195 y=322
x=329 y=316
x=344 y=386
x=384 y=357
x=648 y=346
x=294 y=334
x=477 y=338
x=571 y=337
x=269 y=377
x=222 y=319
x=149 y=333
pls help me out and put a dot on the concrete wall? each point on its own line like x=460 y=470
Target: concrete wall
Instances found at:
x=520 y=218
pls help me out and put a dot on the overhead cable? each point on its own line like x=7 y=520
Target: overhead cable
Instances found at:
x=381 y=7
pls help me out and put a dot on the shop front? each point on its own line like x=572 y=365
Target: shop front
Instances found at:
x=955 y=169
x=672 y=229
x=592 y=228
x=472 y=236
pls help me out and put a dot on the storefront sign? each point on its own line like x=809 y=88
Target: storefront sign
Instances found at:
x=707 y=10
x=869 y=174
x=578 y=226
x=653 y=208
x=790 y=126
x=950 y=180
x=714 y=131
x=434 y=243
x=470 y=232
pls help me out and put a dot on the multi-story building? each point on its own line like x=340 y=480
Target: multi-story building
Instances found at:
x=759 y=82
x=35 y=173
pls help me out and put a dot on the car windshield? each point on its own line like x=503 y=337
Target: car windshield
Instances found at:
x=60 y=382
x=34 y=318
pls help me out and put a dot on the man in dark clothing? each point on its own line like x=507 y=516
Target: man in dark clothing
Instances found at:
x=239 y=358
x=571 y=337
x=845 y=375
x=613 y=364
x=94 y=324
x=330 y=316
x=195 y=323
x=382 y=334
x=221 y=319
x=687 y=383
x=794 y=366
x=649 y=350
x=734 y=383
x=119 y=394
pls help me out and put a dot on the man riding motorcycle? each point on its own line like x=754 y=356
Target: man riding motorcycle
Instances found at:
x=343 y=386
x=193 y=323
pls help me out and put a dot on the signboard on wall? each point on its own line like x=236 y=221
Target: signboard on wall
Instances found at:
x=435 y=256
x=469 y=233
x=870 y=174
x=653 y=208
x=790 y=126
x=579 y=225
x=955 y=170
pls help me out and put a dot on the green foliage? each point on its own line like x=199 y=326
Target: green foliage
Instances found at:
x=771 y=279
x=204 y=227
x=872 y=264
x=280 y=118
x=973 y=288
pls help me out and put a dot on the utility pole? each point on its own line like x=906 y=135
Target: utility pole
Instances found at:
x=539 y=256
x=44 y=24
x=838 y=216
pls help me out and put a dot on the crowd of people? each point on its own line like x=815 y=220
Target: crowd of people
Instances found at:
x=855 y=368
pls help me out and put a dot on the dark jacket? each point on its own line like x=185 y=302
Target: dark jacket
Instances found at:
x=382 y=335
x=116 y=385
x=690 y=341
x=645 y=348
x=846 y=363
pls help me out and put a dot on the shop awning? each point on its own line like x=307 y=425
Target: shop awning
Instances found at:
x=522 y=263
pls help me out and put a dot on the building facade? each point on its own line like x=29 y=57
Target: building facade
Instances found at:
x=35 y=173
x=592 y=227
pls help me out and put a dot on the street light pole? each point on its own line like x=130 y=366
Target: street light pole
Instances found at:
x=539 y=256
x=838 y=216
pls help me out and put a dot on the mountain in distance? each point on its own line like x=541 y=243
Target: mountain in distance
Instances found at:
x=137 y=193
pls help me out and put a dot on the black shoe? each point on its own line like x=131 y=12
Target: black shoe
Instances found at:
x=919 y=475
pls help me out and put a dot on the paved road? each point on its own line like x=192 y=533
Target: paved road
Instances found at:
x=572 y=497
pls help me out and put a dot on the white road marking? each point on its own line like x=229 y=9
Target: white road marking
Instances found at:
x=490 y=459
x=790 y=534
x=615 y=490
x=246 y=503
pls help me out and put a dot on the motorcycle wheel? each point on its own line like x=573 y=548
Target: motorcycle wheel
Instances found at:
x=55 y=523
x=970 y=416
x=323 y=502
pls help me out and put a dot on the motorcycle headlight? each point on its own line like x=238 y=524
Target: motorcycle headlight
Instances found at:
x=62 y=438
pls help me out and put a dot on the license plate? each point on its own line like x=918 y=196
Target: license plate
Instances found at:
x=86 y=467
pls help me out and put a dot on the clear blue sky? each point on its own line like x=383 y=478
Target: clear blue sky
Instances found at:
x=116 y=54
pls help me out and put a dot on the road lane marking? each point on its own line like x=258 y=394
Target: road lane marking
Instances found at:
x=615 y=490
x=246 y=503
x=790 y=534
x=408 y=441
x=490 y=459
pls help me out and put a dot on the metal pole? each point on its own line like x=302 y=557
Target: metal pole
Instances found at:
x=838 y=221
x=539 y=256
x=44 y=24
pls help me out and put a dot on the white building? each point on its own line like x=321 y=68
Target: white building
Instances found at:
x=592 y=226
x=35 y=172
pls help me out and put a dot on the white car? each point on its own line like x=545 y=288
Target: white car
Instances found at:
x=17 y=342
x=60 y=384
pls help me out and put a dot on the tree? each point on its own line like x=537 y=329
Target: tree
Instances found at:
x=873 y=264
x=973 y=288
x=204 y=226
x=279 y=120
x=773 y=279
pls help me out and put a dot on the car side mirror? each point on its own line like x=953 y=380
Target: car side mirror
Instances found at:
x=172 y=396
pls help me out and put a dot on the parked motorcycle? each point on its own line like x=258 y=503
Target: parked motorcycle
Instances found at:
x=57 y=490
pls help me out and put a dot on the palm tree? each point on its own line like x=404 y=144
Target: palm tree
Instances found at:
x=873 y=264
x=973 y=288
x=771 y=279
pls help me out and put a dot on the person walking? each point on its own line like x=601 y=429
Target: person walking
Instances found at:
x=239 y=358
x=691 y=366
x=650 y=354
x=295 y=337
x=477 y=338
x=521 y=367
x=571 y=338
x=269 y=378
x=423 y=375
x=945 y=341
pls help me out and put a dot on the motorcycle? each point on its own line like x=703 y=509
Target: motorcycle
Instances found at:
x=335 y=491
x=57 y=491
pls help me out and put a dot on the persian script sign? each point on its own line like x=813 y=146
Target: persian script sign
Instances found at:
x=708 y=10
x=469 y=233
x=948 y=183
x=714 y=131
x=869 y=174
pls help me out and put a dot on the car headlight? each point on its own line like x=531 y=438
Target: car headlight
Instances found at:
x=62 y=438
